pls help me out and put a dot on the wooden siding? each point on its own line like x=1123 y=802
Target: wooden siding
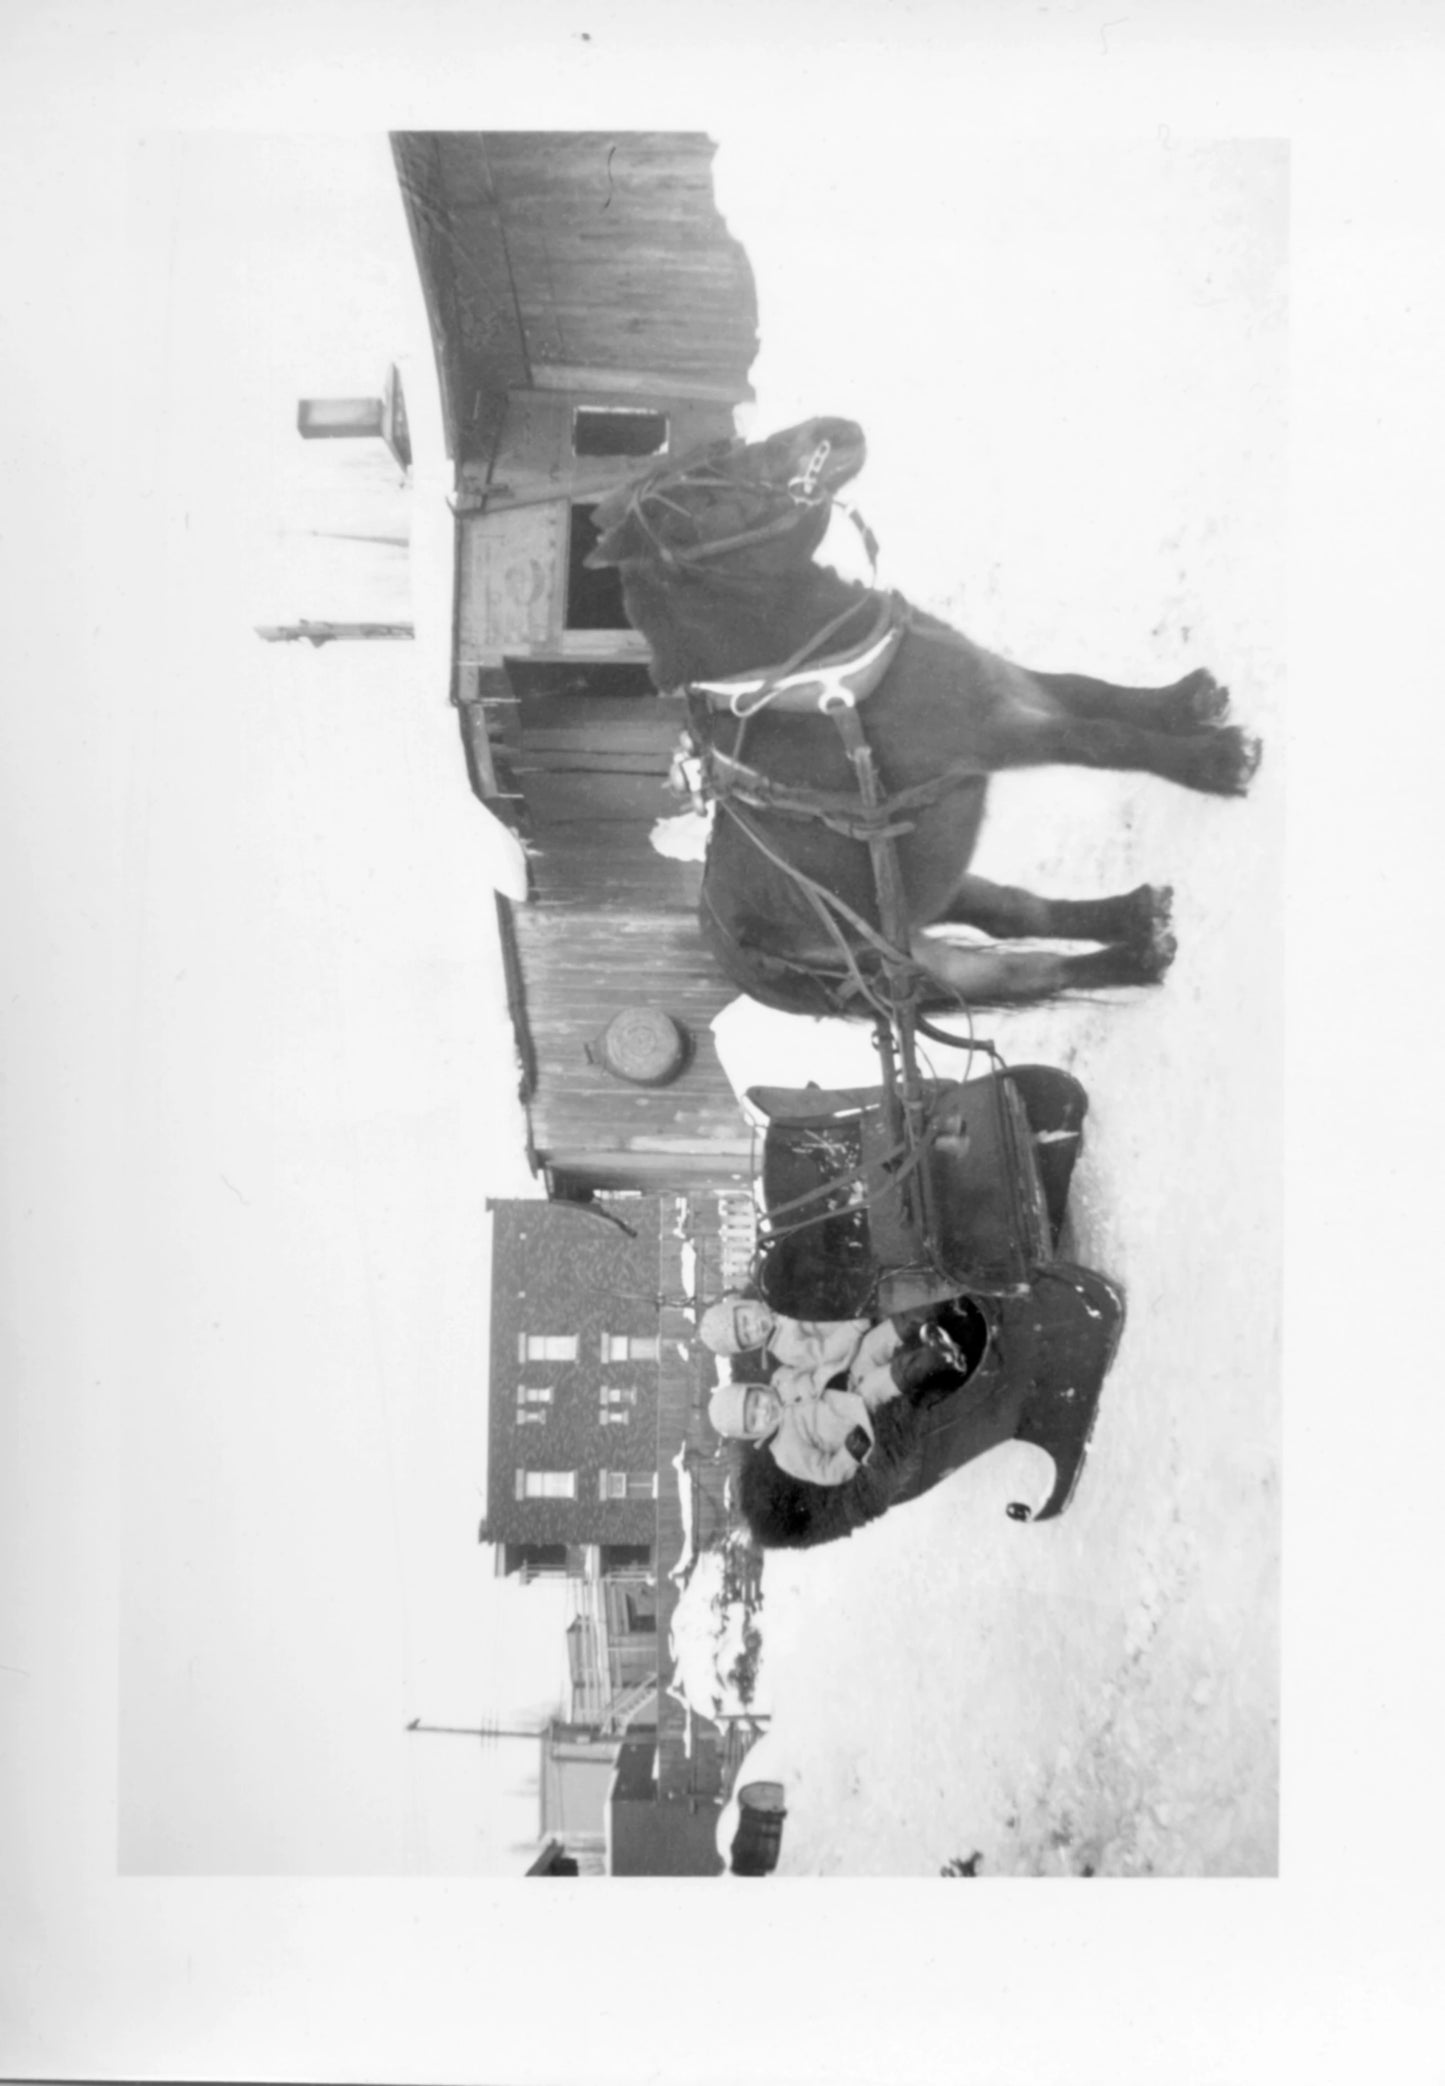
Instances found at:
x=597 y=254
x=579 y=967
x=564 y=269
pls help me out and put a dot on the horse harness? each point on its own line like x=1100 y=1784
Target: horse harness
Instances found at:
x=833 y=680
x=831 y=684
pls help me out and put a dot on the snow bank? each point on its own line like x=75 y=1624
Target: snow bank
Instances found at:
x=716 y=1644
x=1091 y=481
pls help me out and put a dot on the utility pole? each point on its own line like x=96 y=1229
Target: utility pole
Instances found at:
x=323 y=633
x=487 y=1732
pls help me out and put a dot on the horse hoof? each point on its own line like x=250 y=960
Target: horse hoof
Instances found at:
x=1230 y=759
x=1157 y=957
x=1150 y=909
x=1159 y=902
x=1200 y=700
x=1251 y=753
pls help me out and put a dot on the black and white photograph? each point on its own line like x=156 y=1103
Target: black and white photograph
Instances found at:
x=675 y=939
x=838 y=978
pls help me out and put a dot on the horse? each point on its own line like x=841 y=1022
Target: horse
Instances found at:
x=716 y=556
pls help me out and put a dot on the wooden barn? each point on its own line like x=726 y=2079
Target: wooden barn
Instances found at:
x=589 y=311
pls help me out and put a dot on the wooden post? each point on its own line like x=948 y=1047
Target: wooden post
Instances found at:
x=347 y=419
x=338 y=419
x=323 y=633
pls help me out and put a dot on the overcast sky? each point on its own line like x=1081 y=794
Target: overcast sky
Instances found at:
x=319 y=1069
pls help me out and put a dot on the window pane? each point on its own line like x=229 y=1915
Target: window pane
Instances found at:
x=548 y=1347
x=546 y=1484
x=629 y=1347
x=617 y=431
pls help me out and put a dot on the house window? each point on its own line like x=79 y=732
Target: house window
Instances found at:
x=546 y=1484
x=627 y=1484
x=533 y=1401
x=629 y=1347
x=546 y=1347
x=617 y=431
x=615 y=1403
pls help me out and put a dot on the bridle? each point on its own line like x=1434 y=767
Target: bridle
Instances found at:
x=658 y=490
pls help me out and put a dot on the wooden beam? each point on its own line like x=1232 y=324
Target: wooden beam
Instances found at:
x=323 y=633
x=632 y=383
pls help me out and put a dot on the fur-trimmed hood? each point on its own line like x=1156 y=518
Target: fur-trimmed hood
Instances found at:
x=788 y=1513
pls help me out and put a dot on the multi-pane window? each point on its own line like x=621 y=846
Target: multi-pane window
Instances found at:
x=615 y=1404
x=629 y=1347
x=738 y=1238
x=546 y=1347
x=533 y=1403
x=627 y=1484
x=546 y=1484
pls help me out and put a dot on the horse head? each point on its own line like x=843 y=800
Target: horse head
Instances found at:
x=737 y=500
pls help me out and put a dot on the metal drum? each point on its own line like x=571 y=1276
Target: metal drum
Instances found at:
x=758 y=1840
x=642 y=1045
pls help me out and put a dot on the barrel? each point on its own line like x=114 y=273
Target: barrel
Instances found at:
x=642 y=1045
x=758 y=1841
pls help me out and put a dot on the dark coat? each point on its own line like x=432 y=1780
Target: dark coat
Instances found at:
x=917 y=1441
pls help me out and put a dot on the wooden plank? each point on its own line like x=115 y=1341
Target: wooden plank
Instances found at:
x=578 y=376
x=594 y=799
x=591 y=760
x=657 y=717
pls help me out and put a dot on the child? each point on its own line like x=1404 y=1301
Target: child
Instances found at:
x=832 y=1373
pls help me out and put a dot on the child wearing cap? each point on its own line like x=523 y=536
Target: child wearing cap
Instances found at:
x=813 y=1412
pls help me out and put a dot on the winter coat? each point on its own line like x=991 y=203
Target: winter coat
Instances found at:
x=917 y=1440
x=822 y=1417
x=810 y=1351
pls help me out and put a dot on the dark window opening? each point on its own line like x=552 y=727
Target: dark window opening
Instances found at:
x=547 y=679
x=617 y=431
x=594 y=599
x=536 y=1557
x=640 y=1610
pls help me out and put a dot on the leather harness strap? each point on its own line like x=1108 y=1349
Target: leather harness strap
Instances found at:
x=839 y=680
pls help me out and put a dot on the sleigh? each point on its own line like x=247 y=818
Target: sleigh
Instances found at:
x=877 y=1201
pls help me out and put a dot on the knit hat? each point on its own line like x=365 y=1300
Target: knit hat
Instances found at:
x=727 y=1409
x=718 y=1327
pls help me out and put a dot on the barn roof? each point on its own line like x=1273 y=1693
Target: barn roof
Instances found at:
x=574 y=260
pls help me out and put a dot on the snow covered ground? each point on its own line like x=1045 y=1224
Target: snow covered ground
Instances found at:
x=1071 y=365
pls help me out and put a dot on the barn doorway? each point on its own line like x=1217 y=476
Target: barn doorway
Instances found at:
x=594 y=599
x=585 y=680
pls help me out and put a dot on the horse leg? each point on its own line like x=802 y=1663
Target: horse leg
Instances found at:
x=1188 y=705
x=1003 y=977
x=1220 y=760
x=1138 y=918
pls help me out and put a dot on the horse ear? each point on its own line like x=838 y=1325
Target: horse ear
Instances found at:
x=614 y=545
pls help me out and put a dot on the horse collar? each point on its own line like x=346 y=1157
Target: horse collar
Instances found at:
x=839 y=680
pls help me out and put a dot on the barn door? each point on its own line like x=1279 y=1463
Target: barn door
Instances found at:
x=594 y=744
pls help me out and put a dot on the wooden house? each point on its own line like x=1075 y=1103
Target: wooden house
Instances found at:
x=589 y=311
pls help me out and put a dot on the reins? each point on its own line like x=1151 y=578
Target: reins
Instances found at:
x=871 y=965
